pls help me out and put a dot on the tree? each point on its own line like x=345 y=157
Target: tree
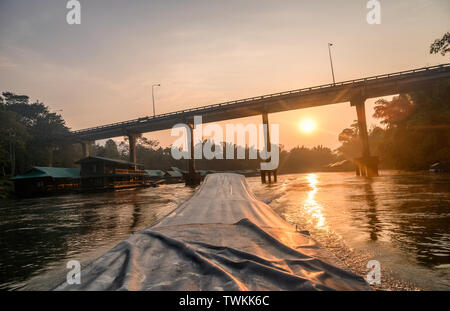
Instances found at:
x=13 y=137
x=303 y=159
x=110 y=150
x=441 y=45
x=351 y=144
x=394 y=112
x=417 y=130
x=30 y=135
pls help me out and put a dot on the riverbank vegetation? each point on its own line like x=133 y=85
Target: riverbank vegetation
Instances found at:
x=152 y=156
x=31 y=135
x=415 y=131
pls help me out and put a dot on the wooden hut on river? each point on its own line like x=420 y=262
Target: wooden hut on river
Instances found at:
x=104 y=173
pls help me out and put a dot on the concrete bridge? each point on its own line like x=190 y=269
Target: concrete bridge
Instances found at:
x=354 y=91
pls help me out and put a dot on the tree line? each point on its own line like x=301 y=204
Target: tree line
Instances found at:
x=31 y=135
x=415 y=131
x=153 y=156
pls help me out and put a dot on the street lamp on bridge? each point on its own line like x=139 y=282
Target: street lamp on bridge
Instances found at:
x=153 y=97
x=331 y=61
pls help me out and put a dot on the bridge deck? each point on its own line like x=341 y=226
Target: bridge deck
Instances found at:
x=375 y=86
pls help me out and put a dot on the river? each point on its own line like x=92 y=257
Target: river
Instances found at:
x=399 y=219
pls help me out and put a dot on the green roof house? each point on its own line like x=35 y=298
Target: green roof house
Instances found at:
x=38 y=180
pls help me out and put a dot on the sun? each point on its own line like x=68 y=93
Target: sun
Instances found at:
x=307 y=126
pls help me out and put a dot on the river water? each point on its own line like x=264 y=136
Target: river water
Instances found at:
x=401 y=220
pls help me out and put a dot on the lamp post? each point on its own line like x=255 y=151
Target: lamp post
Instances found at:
x=331 y=61
x=153 y=97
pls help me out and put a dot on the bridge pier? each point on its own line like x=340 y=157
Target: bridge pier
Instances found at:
x=265 y=120
x=192 y=178
x=366 y=165
x=85 y=147
x=132 y=138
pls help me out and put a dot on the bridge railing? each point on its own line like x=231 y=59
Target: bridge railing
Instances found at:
x=251 y=99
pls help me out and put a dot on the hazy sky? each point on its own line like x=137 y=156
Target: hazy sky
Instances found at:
x=205 y=52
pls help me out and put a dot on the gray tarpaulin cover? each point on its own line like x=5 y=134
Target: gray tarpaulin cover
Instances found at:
x=222 y=238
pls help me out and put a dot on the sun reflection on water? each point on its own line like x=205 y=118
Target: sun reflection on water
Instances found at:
x=314 y=209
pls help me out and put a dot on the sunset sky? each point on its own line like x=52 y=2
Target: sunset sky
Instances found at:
x=206 y=52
